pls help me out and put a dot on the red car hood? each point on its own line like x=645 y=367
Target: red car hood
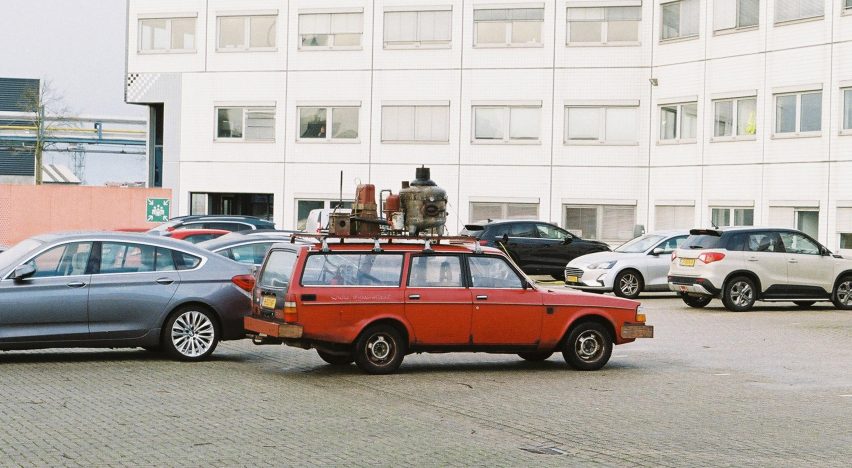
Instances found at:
x=573 y=297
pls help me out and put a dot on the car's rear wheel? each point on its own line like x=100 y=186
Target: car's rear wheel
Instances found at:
x=740 y=294
x=379 y=350
x=536 y=355
x=336 y=359
x=588 y=347
x=191 y=334
x=804 y=304
x=628 y=284
x=842 y=295
x=696 y=301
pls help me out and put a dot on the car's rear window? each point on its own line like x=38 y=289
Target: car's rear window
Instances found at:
x=702 y=241
x=278 y=269
x=367 y=269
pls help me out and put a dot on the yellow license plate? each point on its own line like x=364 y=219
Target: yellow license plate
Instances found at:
x=571 y=279
x=268 y=302
x=687 y=262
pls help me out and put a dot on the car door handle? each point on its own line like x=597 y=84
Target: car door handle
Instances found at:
x=752 y=259
x=481 y=298
x=76 y=284
x=414 y=297
x=793 y=260
x=165 y=281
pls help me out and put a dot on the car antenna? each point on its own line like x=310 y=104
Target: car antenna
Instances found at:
x=714 y=225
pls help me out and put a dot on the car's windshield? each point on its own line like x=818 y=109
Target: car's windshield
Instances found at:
x=16 y=252
x=640 y=244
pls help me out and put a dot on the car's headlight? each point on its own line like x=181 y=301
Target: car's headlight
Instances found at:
x=601 y=265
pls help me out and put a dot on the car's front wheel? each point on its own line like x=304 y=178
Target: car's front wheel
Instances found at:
x=842 y=295
x=628 y=284
x=588 y=347
x=536 y=355
x=740 y=294
x=696 y=301
x=335 y=359
x=191 y=334
x=379 y=350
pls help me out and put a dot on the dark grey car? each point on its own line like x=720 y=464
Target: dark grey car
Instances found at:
x=108 y=289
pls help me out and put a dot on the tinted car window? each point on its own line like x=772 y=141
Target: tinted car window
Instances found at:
x=63 y=260
x=352 y=270
x=702 y=241
x=227 y=226
x=523 y=230
x=165 y=260
x=764 y=242
x=799 y=244
x=493 y=272
x=185 y=261
x=546 y=231
x=252 y=254
x=435 y=271
x=196 y=238
x=278 y=269
x=120 y=257
x=670 y=245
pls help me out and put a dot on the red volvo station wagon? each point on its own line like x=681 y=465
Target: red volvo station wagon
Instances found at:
x=374 y=302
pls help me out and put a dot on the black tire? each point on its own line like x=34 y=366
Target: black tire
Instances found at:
x=379 y=350
x=628 y=284
x=336 y=359
x=696 y=301
x=558 y=276
x=739 y=294
x=804 y=304
x=842 y=294
x=536 y=356
x=191 y=333
x=588 y=347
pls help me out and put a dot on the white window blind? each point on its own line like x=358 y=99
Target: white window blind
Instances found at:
x=481 y=211
x=674 y=217
x=782 y=216
x=246 y=32
x=608 y=223
x=329 y=30
x=506 y=123
x=416 y=123
x=680 y=19
x=732 y=14
x=847 y=107
x=510 y=26
x=789 y=10
x=602 y=124
x=166 y=34
x=603 y=24
x=418 y=27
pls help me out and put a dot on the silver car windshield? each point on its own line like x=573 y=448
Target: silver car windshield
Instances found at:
x=18 y=251
x=640 y=244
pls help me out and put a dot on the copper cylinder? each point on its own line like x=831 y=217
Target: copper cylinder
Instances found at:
x=366 y=194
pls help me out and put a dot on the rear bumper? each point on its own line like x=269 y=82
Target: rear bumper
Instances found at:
x=687 y=284
x=278 y=330
x=636 y=330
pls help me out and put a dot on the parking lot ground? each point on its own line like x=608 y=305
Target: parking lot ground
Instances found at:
x=770 y=387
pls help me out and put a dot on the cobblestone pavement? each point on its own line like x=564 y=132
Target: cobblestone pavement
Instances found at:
x=771 y=387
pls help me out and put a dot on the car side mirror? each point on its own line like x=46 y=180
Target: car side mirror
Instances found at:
x=658 y=251
x=23 y=272
x=567 y=240
x=527 y=285
x=505 y=238
x=824 y=252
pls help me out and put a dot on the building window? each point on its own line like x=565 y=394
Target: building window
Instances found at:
x=848 y=5
x=607 y=125
x=731 y=15
x=245 y=204
x=798 y=112
x=678 y=122
x=506 y=123
x=304 y=208
x=328 y=123
x=847 y=107
x=508 y=27
x=725 y=216
x=481 y=211
x=807 y=221
x=415 y=29
x=416 y=123
x=608 y=223
x=844 y=227
x=255 y=32
x=331 y=30
x=680 y=19
x=735 y=117
x=792 y=10
x=674 y=217
x=245 y=123
x=167 y=35
x=603 y=25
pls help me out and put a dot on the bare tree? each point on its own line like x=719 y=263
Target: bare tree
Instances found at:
x=48 y=115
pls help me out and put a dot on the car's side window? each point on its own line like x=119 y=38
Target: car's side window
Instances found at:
x=62 y=260
x=671 y=244
x=251 y=254
x=185 y=261
x=119 y=257
x=165 y=260
x=523 y=230
x=765 y=242
x=799 y=244
x=493 y=272
x=352 y=270
x=546 y=231
x=435 y=271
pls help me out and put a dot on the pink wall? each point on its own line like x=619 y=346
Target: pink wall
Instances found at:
x=27 y=210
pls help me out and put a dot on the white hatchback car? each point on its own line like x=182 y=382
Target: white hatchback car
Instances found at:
x=638 y=265
x=747 y=264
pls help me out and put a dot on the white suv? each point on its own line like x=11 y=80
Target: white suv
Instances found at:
x=746 y=264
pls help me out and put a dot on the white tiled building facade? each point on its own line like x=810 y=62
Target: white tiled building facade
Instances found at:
x=597 y=115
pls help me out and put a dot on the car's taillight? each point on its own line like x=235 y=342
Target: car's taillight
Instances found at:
x=290 y=313
x=674 y=255
x=483 y=242
x=244 y=282
x=710 y=257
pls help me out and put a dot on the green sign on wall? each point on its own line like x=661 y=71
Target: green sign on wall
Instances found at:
x=157 y=210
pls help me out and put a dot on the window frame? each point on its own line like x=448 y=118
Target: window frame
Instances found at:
x=599 y=212
x=168 y=18
x=507 y=125
x=736 y=29
x=415 y=105
x=246 y=47
x=245 y=111
x=735 y=106
x=797 y=133
x=300 y=47
x=803 y=19
x=327 y=205
x=507 y=34
x=843 y=109
x=603 y=109
x=525 y=283
x=329 y=122
x=353 y=252
x=419 y=43
x=732 y=214
x=605 y=42
x=504 y=209
x=796 y=217
x=679 y=38
x=464 y=273
x=679 y=125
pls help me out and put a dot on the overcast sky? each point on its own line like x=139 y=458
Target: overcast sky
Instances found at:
x=77 y=45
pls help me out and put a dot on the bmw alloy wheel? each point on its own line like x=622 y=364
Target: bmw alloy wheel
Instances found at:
x=193 y=334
